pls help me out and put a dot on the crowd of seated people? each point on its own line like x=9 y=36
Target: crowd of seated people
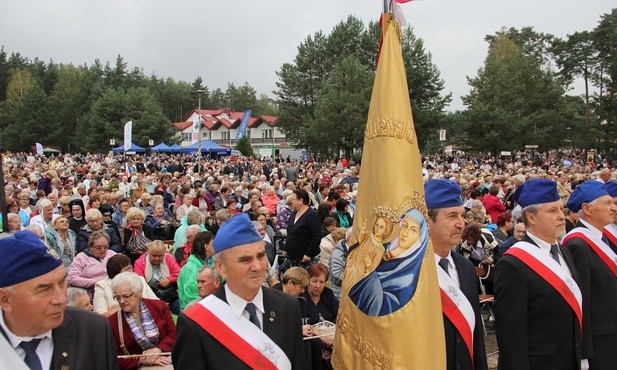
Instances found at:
x=138 y=246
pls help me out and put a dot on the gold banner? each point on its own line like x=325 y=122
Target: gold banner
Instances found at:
x=390 y=313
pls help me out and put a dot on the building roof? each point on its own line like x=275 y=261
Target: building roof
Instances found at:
x=213 y=119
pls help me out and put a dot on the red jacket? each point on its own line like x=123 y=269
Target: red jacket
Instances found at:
x=167 y=332
x=493 y=206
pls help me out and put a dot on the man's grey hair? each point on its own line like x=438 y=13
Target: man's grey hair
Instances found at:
x=533 y=209
x=130 y=278
x=193 y=229
x=73 y=294
x=592 y=204
x=213 y=272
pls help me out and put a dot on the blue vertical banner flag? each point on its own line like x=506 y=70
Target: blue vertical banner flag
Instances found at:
x=128 y=135
x=244 y=124
x=39 y=148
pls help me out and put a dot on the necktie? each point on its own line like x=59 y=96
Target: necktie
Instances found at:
x=32 y=360
x=444 y=265
x=252 y=310
x=555 y=253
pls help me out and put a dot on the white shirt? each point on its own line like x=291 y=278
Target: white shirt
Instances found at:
x=238 y=304
x=546 y=248
x=595 y=232
x=452 y=271
x=45 y=350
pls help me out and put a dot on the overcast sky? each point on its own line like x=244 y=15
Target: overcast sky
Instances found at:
x=248 y=40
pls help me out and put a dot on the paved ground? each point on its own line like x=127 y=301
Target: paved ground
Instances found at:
x=490 y=342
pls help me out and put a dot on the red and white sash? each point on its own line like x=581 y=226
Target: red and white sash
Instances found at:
x=241 y=337
x=610 y=231
x=457 y=308
x=603 y=251
x=553 y=273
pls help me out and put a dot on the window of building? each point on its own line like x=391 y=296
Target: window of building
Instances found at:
x=225 y=135
x=266 y=134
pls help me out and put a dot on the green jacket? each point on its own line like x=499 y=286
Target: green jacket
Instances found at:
x=187 y=281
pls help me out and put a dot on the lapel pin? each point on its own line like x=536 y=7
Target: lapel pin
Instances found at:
x=272 y=315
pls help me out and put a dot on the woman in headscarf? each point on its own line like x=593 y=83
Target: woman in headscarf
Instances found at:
x=142 y=326
x=393 y=283
x=160 y=270
x=78 y=215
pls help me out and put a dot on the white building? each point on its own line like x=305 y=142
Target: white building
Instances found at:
x=221 y=126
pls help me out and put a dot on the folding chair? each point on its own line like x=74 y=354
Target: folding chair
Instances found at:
x=486 y=300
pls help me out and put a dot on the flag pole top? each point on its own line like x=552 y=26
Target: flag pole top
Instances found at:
x=386 y=6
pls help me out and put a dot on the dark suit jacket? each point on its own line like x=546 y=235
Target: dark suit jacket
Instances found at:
x=456 y=350
x=536 y=328
x=196 y=349
x=83 y=341
x=599 y=288
x=167 y=332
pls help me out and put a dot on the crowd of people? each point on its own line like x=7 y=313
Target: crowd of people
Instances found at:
x=142 y=238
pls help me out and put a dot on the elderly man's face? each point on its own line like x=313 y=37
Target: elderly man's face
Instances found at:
x=602 y=210
x=244 y=267
x=549 y=222
x=519 y=231
x=205 y=284
x=37 y=305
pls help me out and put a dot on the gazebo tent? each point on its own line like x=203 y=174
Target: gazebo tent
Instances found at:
x=207 y=146
x=175 y=148
x=134 y=148
x=162 y=147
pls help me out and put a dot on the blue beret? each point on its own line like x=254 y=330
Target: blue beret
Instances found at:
x=611 y=187
x=442 y=194
x=536 y=191
x=238 y=230
x=585 y=193
x=23 y=256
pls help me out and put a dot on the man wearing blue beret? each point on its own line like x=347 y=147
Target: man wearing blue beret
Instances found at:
x=596 y=264
x=35 y=321
x=457 y=277
x=610 y=230
x=538 y=303
x=243 y=325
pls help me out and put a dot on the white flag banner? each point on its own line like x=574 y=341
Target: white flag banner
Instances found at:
x=39 y=149
x=128 y=133
x=196 y=126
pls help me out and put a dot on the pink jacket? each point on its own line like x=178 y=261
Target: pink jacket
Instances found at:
x=174 y=269
x=86 y=270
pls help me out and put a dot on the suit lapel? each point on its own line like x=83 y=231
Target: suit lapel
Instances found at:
x=463 y=277
x=271 y=315
x=64 y=345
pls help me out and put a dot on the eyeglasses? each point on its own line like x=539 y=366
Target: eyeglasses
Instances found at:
x=125 y=297
x=100 y=247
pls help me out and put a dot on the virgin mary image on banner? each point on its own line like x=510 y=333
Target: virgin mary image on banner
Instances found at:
x=393 y=283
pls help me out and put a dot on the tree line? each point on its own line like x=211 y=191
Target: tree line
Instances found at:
x=80 y=108
x=520 y=96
